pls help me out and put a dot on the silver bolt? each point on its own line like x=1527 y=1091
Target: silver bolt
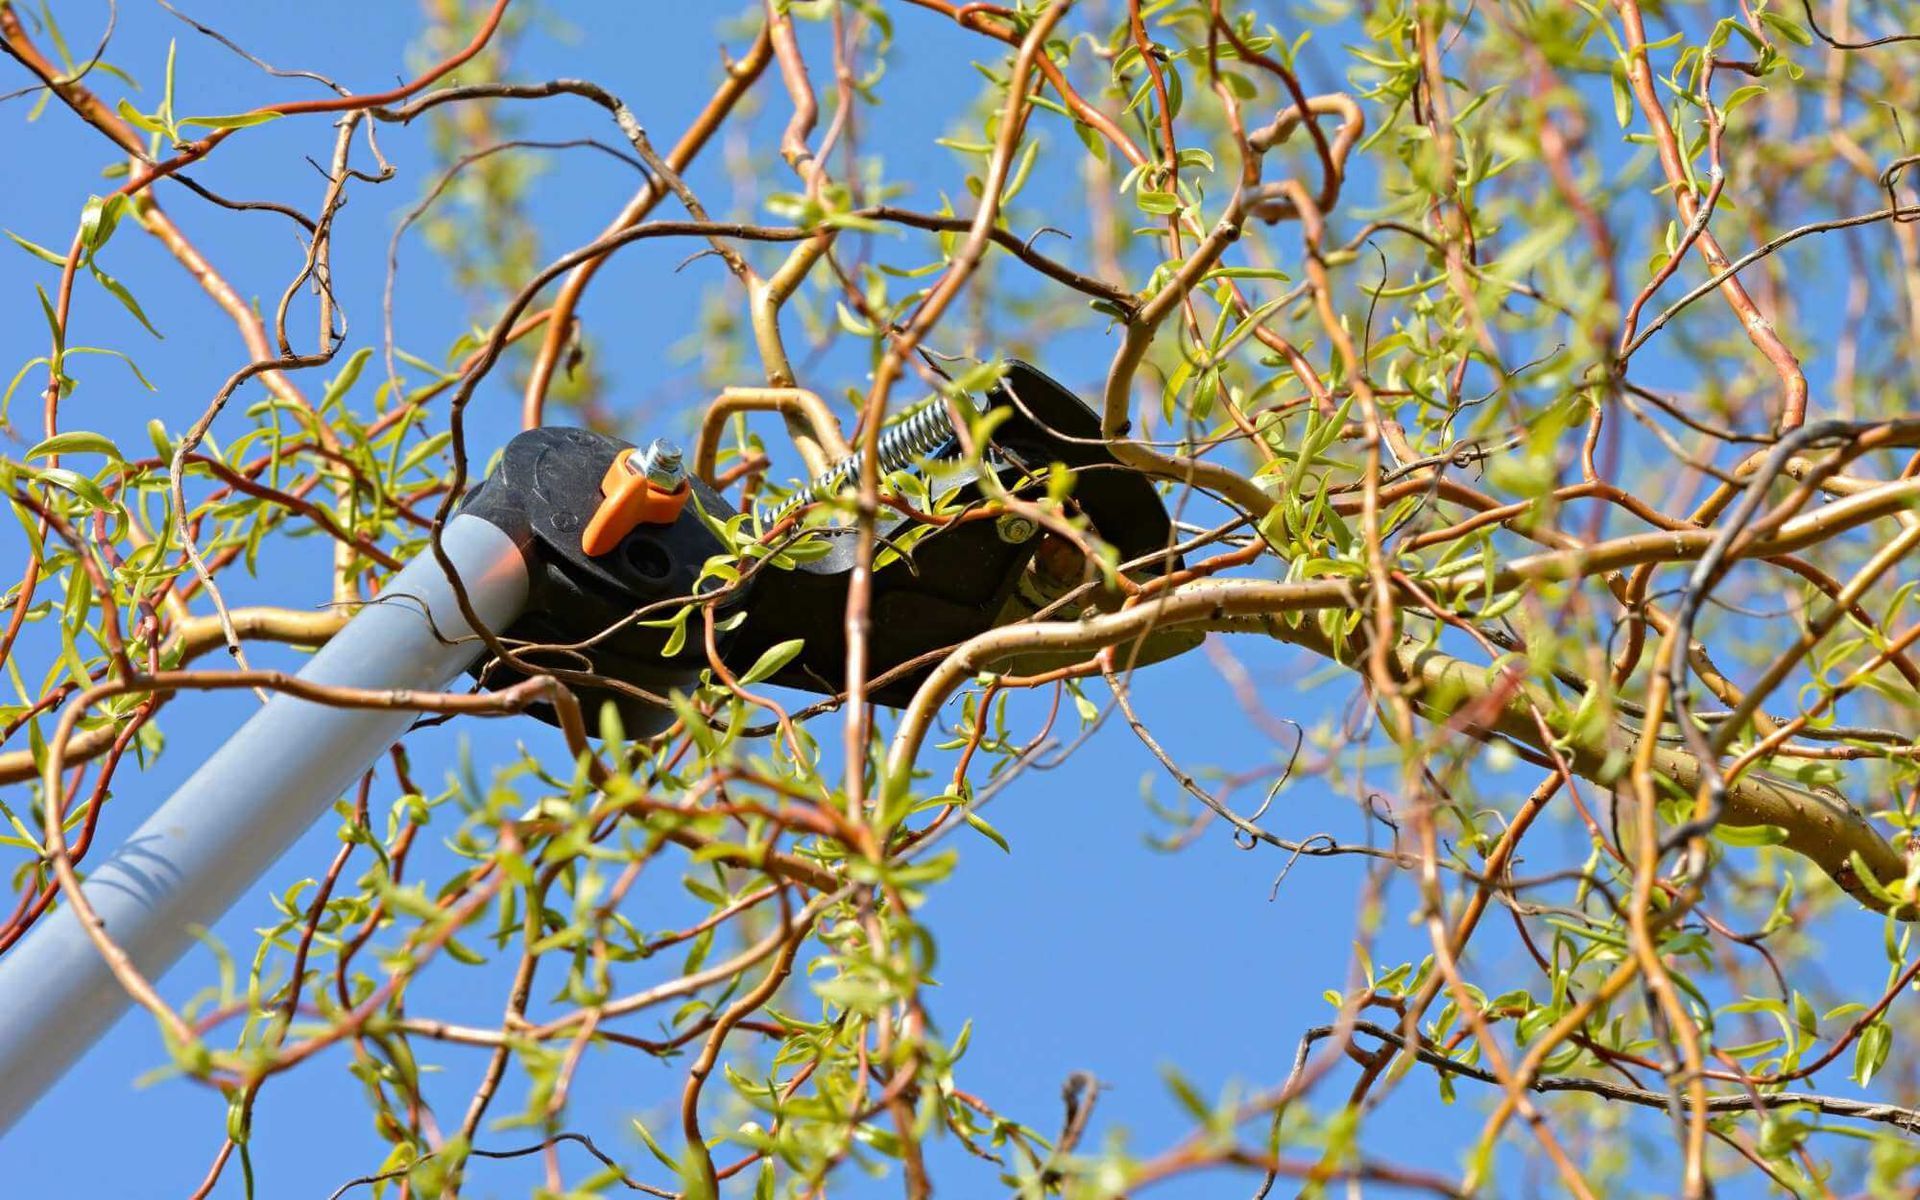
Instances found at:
x=660 y=463
x=1014 y=528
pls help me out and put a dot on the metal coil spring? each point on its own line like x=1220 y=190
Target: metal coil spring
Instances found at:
x=928 y=433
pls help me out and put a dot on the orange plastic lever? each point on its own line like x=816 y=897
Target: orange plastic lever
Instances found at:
x=627 y=500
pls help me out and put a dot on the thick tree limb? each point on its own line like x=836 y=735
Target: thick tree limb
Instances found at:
x=1824 y=829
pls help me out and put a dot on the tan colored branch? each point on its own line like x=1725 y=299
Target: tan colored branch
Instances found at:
x=1687 y=201
x=191 y=639
x=1824 y=829
x=827 y=446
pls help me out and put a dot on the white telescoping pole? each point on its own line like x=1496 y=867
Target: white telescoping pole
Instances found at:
x=244 y=807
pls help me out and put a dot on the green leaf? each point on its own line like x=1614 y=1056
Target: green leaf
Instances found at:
x=1750 y=835
x=425 y=450
x=37 y=250
x=464 y=954
x=341 y=384
x=849 y=322
x=53 y=322
x=1272 y=273
x=80 y=485
x=1786 y=28
x=131 y=365
x=166 y=93
x=1876 y=1040
x=1739 y=96
x=989 y=832
x=78 y=441
x=233 y=120
x=137 y=118
x=769 y=663
x=1021 y=170
x=125 y=297
x=99 y=219
x=1803 y=1016
x=1159 y=203
x=612 y=730
x=647 y=1138
x=1189 y=1098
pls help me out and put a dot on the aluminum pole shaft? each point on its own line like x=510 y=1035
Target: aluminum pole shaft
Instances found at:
x=216 y=835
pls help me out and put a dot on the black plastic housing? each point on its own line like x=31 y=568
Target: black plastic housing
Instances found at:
x=545 y=488
x=955 y=582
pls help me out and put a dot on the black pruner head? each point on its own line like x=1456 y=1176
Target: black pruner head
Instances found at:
x=969 y=576
x=607 y=584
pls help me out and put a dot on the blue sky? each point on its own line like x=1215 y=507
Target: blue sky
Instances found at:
x=1082 y=949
